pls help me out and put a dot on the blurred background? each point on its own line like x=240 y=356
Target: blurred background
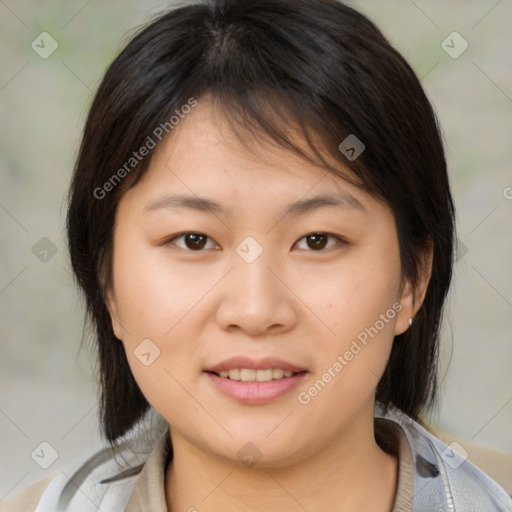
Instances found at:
x=53 y=55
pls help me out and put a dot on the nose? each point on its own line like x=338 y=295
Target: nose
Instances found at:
x=256 y=299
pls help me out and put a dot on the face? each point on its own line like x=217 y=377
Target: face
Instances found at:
x=264 y=278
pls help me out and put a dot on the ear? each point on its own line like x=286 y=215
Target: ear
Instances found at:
x=412 y=297
x=108 y=292
x=111 y=304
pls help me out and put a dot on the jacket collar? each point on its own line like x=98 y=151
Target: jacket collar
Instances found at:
x=443 y=481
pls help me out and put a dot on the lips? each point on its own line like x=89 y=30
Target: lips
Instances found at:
x=255 y=393
x=247 y=380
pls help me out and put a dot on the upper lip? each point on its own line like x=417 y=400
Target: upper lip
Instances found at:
x=254 y=364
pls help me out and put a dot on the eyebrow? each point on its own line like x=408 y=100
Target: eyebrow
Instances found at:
x=342 y=200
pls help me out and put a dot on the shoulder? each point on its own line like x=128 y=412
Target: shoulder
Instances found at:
x=497 y=464
x=84 y=487
x=104 y=481
x=27 y=499
x=444 y=476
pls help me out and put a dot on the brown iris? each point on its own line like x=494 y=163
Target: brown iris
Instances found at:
x=195 y=240
x=317 y=241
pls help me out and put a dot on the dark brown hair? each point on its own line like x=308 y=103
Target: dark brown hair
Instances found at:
x=317 y=65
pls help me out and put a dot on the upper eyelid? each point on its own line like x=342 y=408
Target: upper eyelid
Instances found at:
x=179 y=235
x=338 y=238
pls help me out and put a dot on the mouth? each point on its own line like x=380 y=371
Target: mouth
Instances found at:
x=252 y=391
x=255 y=382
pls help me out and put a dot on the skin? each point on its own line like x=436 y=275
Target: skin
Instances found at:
x=295 y=302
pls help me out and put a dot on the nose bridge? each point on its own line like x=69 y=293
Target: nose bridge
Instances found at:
x=253 y=277
x=255 y=299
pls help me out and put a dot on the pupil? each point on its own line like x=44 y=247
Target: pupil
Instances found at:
x=318 y=241
x=197 y=241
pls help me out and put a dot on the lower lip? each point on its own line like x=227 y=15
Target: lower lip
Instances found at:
x=255 y=393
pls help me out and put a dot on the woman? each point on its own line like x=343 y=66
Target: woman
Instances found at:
x=261 y=222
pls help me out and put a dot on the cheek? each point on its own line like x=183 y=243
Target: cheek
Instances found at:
x=351 y=294
x=357 y=299
x=157 y=306
x=165 y=304
x=160 y=383
x=153 y=293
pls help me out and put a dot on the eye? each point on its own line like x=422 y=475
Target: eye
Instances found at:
x=198 y=241
x=320 y=241
x=193 y=241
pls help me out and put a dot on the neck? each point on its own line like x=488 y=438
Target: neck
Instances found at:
x=351 y=474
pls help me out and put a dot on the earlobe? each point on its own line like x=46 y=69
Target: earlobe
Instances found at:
x=407 y=302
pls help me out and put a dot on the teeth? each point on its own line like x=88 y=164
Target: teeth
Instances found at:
x=277 y=373
x=250 y=375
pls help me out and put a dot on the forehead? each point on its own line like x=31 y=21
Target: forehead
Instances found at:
x=203 y=152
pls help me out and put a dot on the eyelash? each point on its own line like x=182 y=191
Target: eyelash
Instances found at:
x=339 y=239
